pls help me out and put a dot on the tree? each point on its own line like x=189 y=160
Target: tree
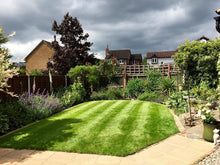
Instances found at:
x=200 y=60
x=75 y=46
x=144 y=61
x=6 y=69
x=87 y=75
x=94 y=77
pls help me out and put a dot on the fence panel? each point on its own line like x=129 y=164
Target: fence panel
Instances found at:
x=20 y=84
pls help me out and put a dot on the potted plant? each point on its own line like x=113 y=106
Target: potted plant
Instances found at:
x=209 y=123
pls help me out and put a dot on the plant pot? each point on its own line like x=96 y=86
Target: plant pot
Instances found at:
x=208 y=131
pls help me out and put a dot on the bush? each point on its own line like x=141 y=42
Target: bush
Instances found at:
x=110 y=94
x=13 y=115
x=167 y=85
x=3 y=123
x=36 y=72
x=135 y=87
x=152 y=81
x=40 y=105
x=177 y=103
x=151 y=96
x=71 y=95
x=205 y=93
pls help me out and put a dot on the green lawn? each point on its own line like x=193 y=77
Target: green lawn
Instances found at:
x=116 y=127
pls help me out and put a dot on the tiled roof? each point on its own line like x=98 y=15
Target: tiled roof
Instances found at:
x=119 y=54
x=136 y=56
x=164 y=54
x=203 y=37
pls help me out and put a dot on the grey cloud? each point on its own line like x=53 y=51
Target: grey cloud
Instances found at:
x=141 y=25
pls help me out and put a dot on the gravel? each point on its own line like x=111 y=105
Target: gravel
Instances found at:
x=212 y=159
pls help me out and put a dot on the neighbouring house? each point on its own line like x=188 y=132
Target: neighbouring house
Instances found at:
x=124 y=57
x=159 y=58
x=165 y=57
x=203 y=39
x=39 y=57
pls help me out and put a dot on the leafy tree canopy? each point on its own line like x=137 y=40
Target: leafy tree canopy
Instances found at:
x=75 y=46
x=199 y=59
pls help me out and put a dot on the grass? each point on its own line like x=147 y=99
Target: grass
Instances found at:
x=116 y=127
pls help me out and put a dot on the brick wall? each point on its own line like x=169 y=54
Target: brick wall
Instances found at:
x=39 y=58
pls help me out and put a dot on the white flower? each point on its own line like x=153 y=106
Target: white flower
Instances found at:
x=203 y=117
x=208 y=104
x=208 y=111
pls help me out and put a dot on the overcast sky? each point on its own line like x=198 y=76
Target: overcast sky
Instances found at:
x=140 y=25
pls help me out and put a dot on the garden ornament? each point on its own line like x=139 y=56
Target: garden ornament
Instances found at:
x=199 y=113
x=216 y=137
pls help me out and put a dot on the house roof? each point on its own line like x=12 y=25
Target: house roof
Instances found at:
x=136 y=56
x=203 y=37
x=164 y=54
x=119 y=54
x=42 y=42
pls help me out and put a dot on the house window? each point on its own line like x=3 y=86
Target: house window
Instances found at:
x=121 y=61
x=154 y=61
x=134 y=62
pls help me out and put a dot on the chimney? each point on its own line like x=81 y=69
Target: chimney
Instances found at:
x=106 y=51
x=54 y=37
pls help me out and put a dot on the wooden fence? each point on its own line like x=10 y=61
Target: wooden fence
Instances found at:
x=140 y=70
x=20 y=84
x=126 y=71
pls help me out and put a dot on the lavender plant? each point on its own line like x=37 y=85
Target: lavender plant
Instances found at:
x=42 y=105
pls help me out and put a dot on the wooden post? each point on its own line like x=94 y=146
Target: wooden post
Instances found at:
x=29 y=85
x=124 y=77
x=65 y=77
x=168 y=70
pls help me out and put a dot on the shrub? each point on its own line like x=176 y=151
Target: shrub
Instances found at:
x=40 y=105
x=176 y=102
x=22 y=70
x=3 y=123
x=167 y=85
x=151 y=96
x=110 y=94
x=13 y=115
x=152 y=81
x=88 y=76
x=36 y=72
x=203 y=92
x=135 y=87
x=71 y=95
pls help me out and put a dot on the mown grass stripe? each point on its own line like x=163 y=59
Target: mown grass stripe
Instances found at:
x=115 y=122
x=122 y=141
x=76 y=110
x=167 y=121
x=142 y=119
x=84 y=128
x=92 y=142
